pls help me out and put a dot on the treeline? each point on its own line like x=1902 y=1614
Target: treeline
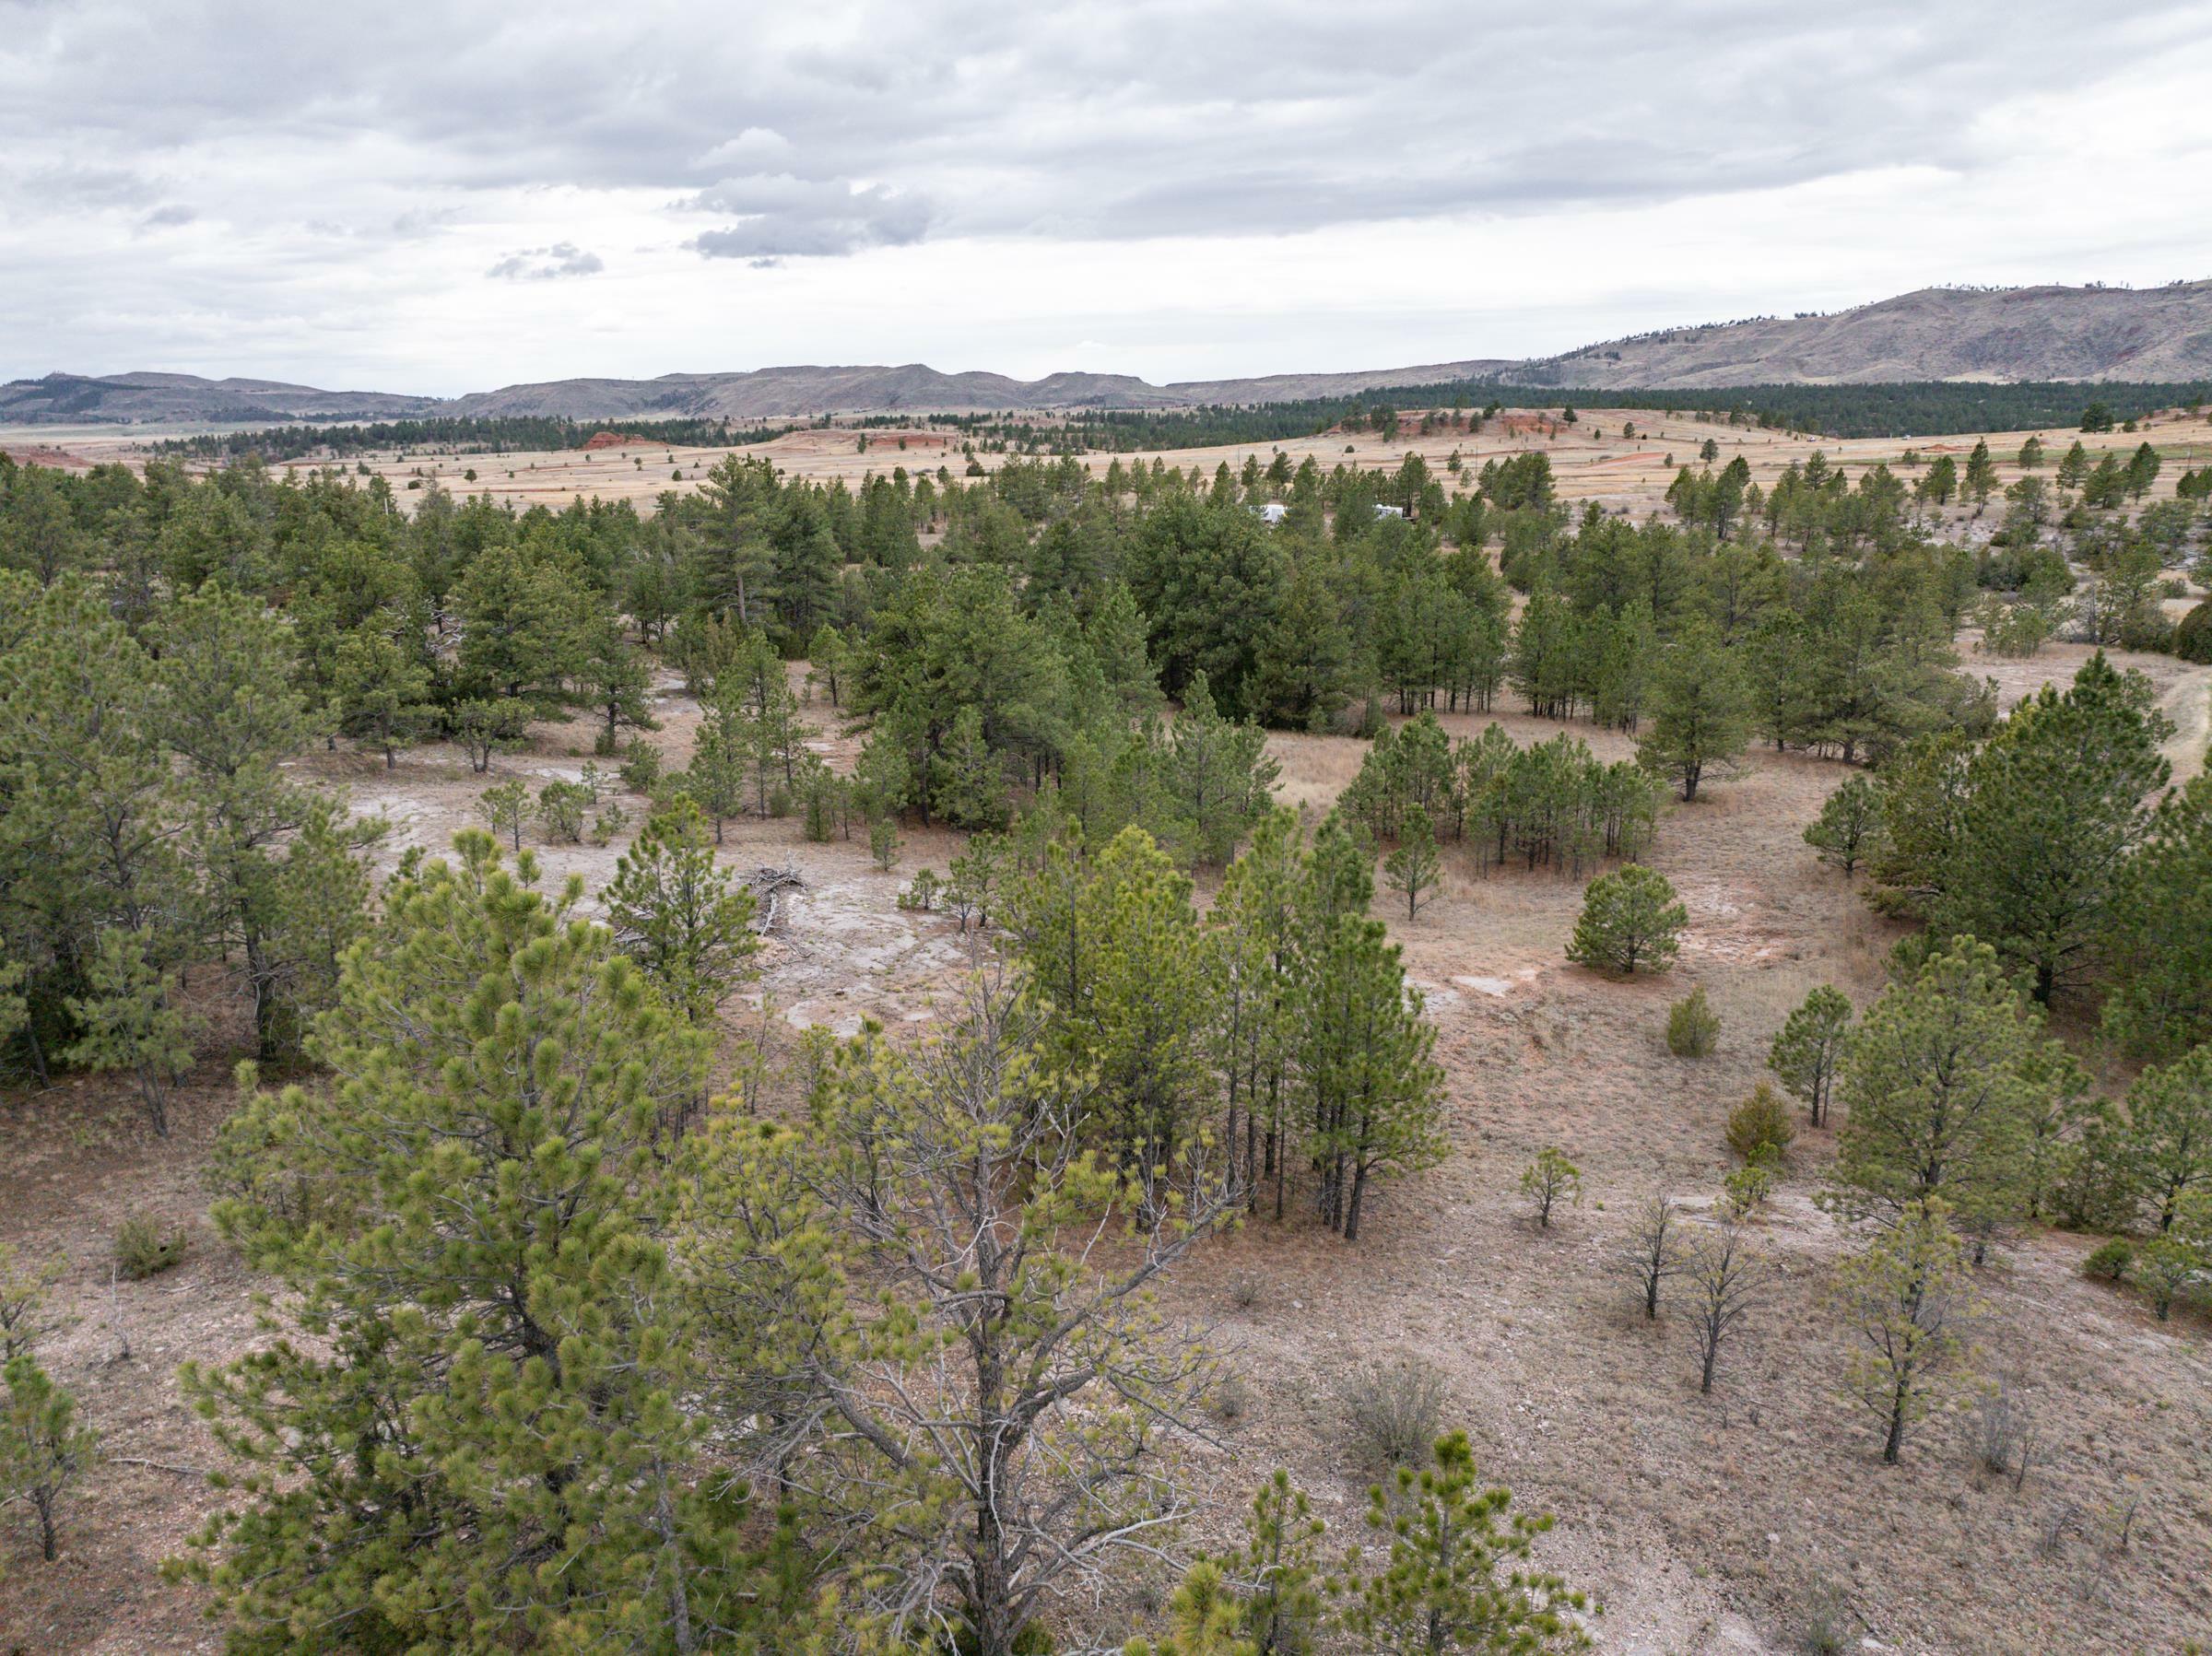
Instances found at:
x=1050 y=615
x=2049 y=840
x=1551 y=804
x=1904 y=409
x=1899 y=408
x=487 y=434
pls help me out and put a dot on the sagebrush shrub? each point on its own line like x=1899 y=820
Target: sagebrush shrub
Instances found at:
x=1394 y=1411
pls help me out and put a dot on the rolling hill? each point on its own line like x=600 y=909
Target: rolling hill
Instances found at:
x=2006 y=335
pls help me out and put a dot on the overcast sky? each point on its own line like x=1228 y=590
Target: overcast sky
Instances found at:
x=452 y=197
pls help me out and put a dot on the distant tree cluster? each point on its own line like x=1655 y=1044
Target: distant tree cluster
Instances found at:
x=1549 y=805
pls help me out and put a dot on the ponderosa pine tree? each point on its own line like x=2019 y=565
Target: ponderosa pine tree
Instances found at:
x=1007 y=1403
x=1374 y=1095
x=1630 y=921
x=1810 y=1047
x=43 y=1446
x=1260 y=953
x=721 y=761
x=1940 y=1087
x=1279 y=1570
x=613 y=680
x=2170 y=1132
x=382 y=694
x=678 y=915
x=1906 y=1296
x=2054 y=805
x=129 y=1019
x=1702 y=713
x=1413 y=867
x=480 y=1439
x=505 y=806
x=1142 y=1020
x=1218 y=775
x=1849 y=825
x=1450 y=1572
x=230 y=713
x=2157 y=944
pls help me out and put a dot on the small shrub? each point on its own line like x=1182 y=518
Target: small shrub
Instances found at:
x=2111 y=1261
x=1760 y=1123
x=1548 y=1181
x=1745 y=1191
x=143 y=1251
x=1231 y=1399
x=921 y=892
x=607 y=824
x=640 y=766
x=2004 y=1435
x=561 y=808
x=1244 y=1289
x=883 y=843
x=1826 y=1630
x=1394 y=1410
x=1692 y=1025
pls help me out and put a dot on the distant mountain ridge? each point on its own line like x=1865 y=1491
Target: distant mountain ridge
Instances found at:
x=152 y=396
x=2007 y=334
x=2011 y=334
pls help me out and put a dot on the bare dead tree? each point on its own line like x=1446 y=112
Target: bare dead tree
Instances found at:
x=1652 y=1250
x=1006 y=1401
x=1727 y=1278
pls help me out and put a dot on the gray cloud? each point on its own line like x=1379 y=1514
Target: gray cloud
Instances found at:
x=547 y=264
x=782 y=217
x=169 y=216
x=1141 y=119
x=366 y=187
x=70 y=186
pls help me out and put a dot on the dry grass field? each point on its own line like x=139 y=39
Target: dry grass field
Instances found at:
x=1703 y=1523
x=1590 y=458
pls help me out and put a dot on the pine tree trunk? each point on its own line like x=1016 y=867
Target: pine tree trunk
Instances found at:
x=42 y=1499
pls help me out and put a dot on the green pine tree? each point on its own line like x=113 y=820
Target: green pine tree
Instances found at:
x=1630 y=921
x=478 y=1436
x=43 y=1448
x=679 y=916
x=1940 y=1087
x=1809 y=1048
x=1456 y=1576
x=1701 y=711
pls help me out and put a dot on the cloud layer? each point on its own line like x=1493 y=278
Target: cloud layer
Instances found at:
x=302 y=188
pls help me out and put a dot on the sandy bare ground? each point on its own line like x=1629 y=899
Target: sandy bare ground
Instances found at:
x=1700 y=1522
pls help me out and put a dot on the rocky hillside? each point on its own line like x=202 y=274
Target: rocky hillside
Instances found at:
x=2158 y=333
